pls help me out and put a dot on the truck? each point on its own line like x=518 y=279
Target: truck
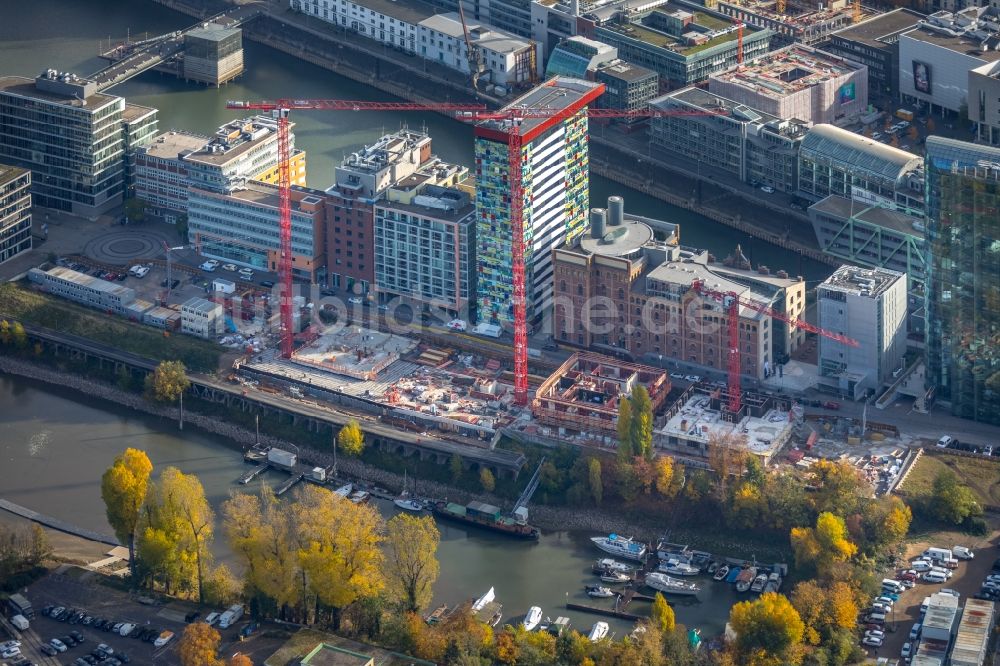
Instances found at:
x=220 y=285
x=232 y=614
x=281 y=458
x=19 y=605
x=489 y=330
x=904 y=114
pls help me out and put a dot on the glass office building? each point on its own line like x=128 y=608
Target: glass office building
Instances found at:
x=963 y=294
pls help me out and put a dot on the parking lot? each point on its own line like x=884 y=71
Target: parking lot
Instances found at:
x=967 y=581
x=89 y=597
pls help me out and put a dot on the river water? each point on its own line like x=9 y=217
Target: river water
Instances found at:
x=54 y=445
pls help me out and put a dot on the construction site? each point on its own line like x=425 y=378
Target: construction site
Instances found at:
x=584 y=395
x=801 y=21
x=699 y=421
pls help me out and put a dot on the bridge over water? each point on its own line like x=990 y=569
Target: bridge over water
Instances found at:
x=133 y=58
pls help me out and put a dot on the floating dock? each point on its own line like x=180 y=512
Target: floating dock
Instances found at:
x=607 y=612
x=287 y=485
x=252 y=474
x=57 y=524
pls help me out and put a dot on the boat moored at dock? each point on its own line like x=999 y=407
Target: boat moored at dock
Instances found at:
x=486 y=516
x=678 y=568
x=599 y=591
x=487 y=609
x=621 y=547
x=598 y=631
x=664 y=583
x=532 y=618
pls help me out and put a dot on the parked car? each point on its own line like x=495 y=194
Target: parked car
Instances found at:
x=692 y=378
x=915 y=631
x=906 y=651
x=212 y=619
x=58 y=645
x=48 y=650
x=229 y=267
x=767 y=189
x=945 y=441
x=871 y=641
x=210 y=265
x=877 y=633
x=163 y=639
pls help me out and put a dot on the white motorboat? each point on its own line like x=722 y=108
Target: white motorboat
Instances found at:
x=721 y=572
x=608 y=564
x=408 y=504
x=345 y=490
x=615 y=577
x=745 y=579
x=598 y=631
x=678 y=568
x=667 y=585
x=599 y=591
x=758 y=583
x=532 y=618
x=621 y=546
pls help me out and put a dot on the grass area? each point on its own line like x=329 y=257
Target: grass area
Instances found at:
x=33 y=307
x=980 y=474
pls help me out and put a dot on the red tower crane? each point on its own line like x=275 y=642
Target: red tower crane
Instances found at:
x=731 y=303
x=513 y=116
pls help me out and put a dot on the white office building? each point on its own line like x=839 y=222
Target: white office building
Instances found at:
x=868 y=305
x=418 y=28
x=83 y=289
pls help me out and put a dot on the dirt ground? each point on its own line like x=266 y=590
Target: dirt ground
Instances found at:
x=65 y=547
x=967 y=581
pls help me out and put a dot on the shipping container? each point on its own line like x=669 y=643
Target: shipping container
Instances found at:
x=281 y=458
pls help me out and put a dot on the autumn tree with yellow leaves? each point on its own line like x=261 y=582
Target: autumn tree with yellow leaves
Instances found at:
x=768 y=630
x=411 y=560
x=123 y=489
x=819 y=548
x=199 y=645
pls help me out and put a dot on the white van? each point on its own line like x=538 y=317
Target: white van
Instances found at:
x=934 y=577
x=938 y=554
x=212 y=619
x=20 y=622
x=894 y=586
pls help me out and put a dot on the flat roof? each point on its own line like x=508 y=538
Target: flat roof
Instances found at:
x=618 y=240
x=267 y=195
x=857 y=281
x=25 y=87
x=9 y=173
x=874 y=215
x=136 y=111
x=696 y=420
x=90 y=281
x=874 y=30
x=557 y=93
x=202 y=305
x=411 y=11
x=262 y=129
x=486 y=36
x=788 y=71
x=962 y=43
x=169 y=145
x=702 y=99
x=625 y=71
x=214 y=32
x=722 y=31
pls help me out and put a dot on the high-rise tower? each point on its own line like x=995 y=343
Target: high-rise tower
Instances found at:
x=963 y=281
x=555 y=181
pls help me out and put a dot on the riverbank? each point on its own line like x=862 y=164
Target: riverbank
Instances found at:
x=548 y=518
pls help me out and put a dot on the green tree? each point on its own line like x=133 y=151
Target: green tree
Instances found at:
x=169 y=381
x=486 y=479
x=594 y=480
x=768 y=630
x=123 y=489
x=641 y=424
x=625 y=451
x=199 y=645
x=951 y=501
x=18 y=336
x=662 y=615
x=455 y=467
x=350 y=439
x=412 y=565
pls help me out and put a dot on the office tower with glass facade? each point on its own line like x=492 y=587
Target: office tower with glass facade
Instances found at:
x=554 y=178
x=963 y=282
